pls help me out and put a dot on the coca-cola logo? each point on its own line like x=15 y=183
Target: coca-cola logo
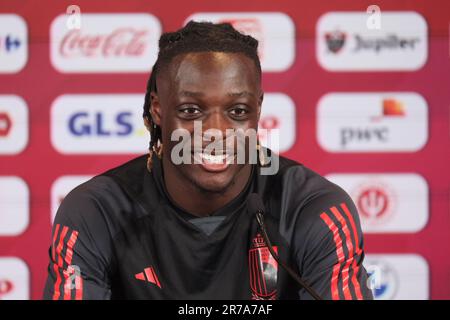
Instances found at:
x=6 y=287
x=121 y=42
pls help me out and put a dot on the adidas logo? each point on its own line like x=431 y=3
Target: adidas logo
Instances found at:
x=148 y=275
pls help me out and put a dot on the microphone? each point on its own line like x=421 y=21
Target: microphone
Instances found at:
x=256 y=206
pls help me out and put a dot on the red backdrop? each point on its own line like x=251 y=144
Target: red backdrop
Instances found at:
x=39 y=83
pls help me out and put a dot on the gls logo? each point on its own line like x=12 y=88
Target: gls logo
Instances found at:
x=372 y=122
x=86 y=124
x=105 y=124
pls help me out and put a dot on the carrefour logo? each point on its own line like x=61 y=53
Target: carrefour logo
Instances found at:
x=93 y=124
x=13 y=43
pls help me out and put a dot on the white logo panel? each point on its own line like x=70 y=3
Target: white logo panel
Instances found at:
x=275 y=32
x=99 y=124
x=344 y=43
x=14 y=279
x=105 y=43
x=372 y=122
x=14 y=206
x=13 y=124
x=387 y=203
x=13 y=43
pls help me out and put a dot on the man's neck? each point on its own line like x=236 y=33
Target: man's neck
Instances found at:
x=200 y=202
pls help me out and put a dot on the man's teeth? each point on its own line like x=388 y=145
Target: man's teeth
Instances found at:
x=216 y=159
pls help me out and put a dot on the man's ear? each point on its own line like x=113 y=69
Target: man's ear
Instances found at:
x=155 y=108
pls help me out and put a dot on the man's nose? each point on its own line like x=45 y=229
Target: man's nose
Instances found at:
x=216 y=121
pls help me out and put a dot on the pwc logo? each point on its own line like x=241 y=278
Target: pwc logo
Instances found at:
x=387 y=203
x=61 y=187
x=372 y=122
x=397 y=276
x=98 y=124
x=13 y=43
x=277 y=112
x=105 y=43
x=14 y=206
x=275 y=32
x=13 y=124
x=14 y=279
x=344 y=43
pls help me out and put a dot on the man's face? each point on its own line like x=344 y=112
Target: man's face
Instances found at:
x=222 y=91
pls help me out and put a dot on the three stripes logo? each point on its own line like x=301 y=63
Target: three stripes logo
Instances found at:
x=68 y=276
x=149 y=275
x=344 y=279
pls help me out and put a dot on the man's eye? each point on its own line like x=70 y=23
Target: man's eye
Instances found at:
x=239 y=111
x=190 y=111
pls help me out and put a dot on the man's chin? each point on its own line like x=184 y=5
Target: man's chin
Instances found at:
x=213 y=184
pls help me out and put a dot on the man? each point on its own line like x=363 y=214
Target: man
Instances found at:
x=158 y=228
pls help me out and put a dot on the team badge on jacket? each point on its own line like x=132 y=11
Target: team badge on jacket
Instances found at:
x=263 y=270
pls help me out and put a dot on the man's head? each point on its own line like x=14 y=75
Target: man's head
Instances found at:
x=209 y=73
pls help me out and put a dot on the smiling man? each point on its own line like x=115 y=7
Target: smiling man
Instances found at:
x=160 y=228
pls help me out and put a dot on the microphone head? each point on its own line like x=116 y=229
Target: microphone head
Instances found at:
x=255 y=203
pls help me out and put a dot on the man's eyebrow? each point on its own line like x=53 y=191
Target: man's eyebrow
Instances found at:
x=231 y=94
x=191 y=93
x=241 y=94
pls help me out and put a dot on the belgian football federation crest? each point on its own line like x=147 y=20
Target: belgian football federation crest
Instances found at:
x=263 y=270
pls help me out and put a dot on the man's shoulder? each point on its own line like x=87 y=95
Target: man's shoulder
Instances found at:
x=109 y=182
x=105 y=196
x=302 y=192
x=297 y=178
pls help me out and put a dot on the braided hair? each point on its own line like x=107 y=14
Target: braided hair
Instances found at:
x=195 y=37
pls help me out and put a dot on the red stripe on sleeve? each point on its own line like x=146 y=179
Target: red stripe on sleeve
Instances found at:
x=348 y=242
x=358 y=251
x=55 y=236
x=57 y=267
x=352 y=223
x=339 y=253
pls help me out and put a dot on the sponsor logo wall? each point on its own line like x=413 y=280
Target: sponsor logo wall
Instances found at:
x=365 y=107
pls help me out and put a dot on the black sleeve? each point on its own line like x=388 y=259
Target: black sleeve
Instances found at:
x=80 y=254
x=329 y=246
